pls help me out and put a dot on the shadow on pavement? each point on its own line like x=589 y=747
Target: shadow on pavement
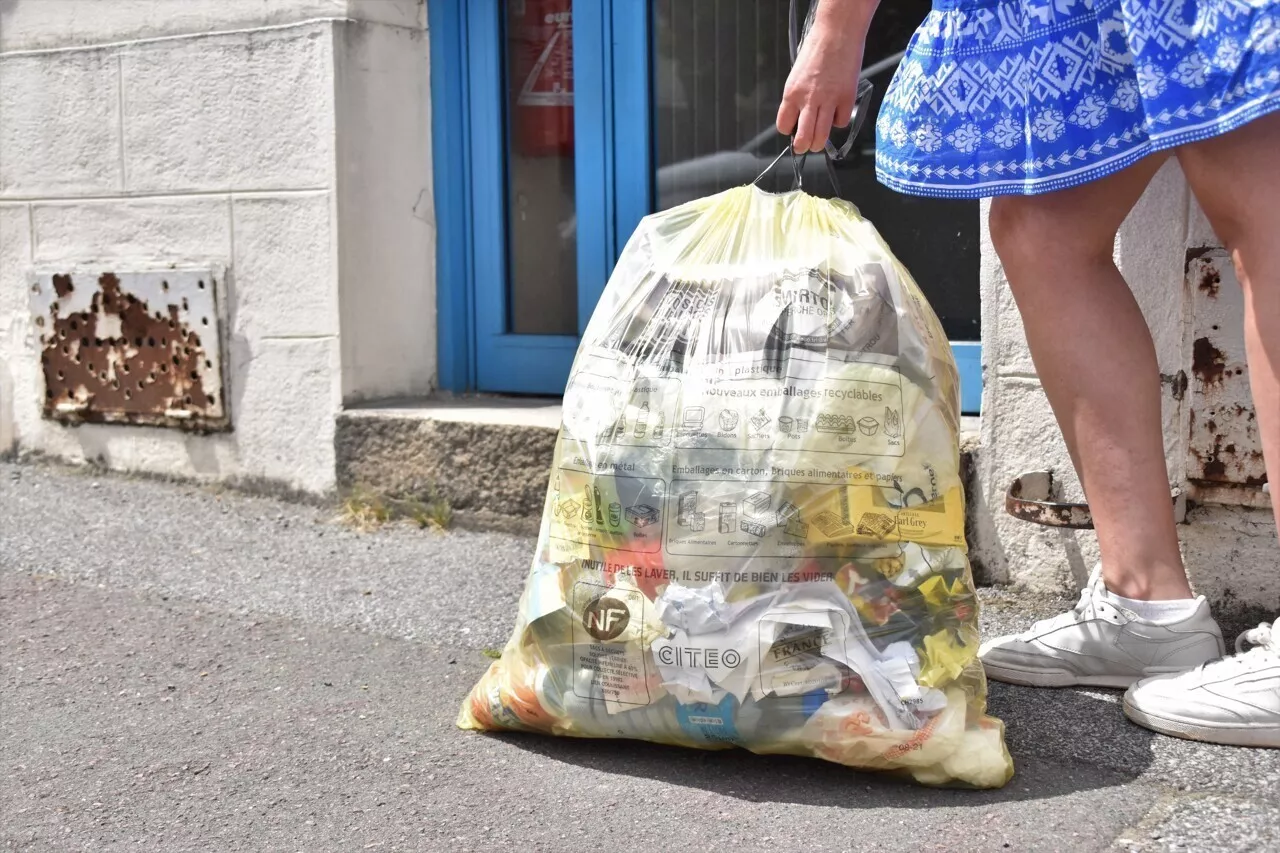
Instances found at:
x=1087 y=726
x=1062 y=742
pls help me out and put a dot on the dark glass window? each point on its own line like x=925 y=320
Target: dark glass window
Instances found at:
x=719 y=71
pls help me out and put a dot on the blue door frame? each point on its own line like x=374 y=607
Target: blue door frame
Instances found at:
x=613 y=171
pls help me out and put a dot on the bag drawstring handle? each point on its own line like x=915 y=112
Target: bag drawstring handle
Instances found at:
x=831 y=153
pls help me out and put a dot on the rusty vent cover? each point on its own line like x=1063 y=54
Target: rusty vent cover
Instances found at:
x=131 y=347
x=1224 y=458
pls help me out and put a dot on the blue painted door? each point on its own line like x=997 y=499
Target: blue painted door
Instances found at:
x=526 y=192
x=551 y=184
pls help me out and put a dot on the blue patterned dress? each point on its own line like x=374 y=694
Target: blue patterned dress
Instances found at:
x=1000 y=97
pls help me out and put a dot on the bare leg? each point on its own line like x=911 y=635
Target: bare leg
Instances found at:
x=1096 y=360
x=1237 y=180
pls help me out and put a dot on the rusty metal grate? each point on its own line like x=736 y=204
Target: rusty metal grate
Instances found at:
x=131 y=347
x=1224 y=451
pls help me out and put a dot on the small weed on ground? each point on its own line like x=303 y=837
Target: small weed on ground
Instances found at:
x=364 y=510
x=367 y=510
x=432 y=514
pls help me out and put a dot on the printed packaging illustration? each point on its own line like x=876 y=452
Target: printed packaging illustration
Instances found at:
x=754 y=526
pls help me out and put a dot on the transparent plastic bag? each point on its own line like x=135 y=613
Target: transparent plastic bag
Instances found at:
x=754 y=528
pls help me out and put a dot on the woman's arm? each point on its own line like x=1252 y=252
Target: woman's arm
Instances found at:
x=822 y=86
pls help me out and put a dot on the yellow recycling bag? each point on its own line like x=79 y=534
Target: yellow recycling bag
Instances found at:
x=754 y=528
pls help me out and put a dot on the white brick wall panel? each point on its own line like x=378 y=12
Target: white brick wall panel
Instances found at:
x=1151 y=254
x=230 y=112
x=284 y=266
x=59 y=124
x=387 y=245
x=287 y=395
x=32 y=24
x=178 y=230
x=15 y=256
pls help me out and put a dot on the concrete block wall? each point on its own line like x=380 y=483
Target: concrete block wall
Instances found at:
x=1231 y=552
x=140 y=133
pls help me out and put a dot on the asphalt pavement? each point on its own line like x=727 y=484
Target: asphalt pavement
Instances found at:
x=187 y=668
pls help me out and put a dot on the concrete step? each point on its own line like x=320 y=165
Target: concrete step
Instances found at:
x=488 y=457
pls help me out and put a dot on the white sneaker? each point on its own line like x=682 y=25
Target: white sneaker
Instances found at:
x=1235 y=700
x=1100 y=644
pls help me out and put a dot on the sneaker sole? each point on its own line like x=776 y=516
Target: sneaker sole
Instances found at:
x=1268 y=736
x=1042 y=677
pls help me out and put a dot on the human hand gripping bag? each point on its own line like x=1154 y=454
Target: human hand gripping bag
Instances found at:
x=753 y=533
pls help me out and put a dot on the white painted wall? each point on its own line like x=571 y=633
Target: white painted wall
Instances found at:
x=285 y=139
x=30 y=24
x=1231 y=552
x=386 y=212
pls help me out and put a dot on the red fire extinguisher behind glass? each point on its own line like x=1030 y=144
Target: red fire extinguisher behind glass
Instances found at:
x=541 y=33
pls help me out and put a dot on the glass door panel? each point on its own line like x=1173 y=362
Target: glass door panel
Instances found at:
x=541 y=201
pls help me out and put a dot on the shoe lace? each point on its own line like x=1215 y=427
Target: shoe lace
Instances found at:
x=1085 y=608
x=1264 y=639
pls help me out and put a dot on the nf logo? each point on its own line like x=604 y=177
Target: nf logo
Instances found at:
x=606 y=618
